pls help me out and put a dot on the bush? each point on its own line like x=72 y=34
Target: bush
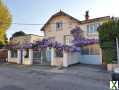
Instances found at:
x=108 y=32
x=1 y=45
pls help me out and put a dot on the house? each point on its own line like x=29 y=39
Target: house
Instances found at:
x=58 y=28
x=18 y=54
x=28 y=38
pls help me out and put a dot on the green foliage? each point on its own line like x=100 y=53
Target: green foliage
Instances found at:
x=109 y=55
x=107 y=44
x=6 y=39
x=1 y=44
x=19 y=33
x=5 y=21
x=107 y=35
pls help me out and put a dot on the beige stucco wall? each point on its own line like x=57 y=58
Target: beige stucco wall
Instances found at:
x=91 y=35
x=26 y=61
x=13 y=60
x=20 y=40
x=35 y=38
x=69 y=24
x=26 y=39
x=50 y=30
x=57 y=61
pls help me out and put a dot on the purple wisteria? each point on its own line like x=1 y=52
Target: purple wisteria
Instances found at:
x=83 y=42
x=58 y=46
x=77 y=42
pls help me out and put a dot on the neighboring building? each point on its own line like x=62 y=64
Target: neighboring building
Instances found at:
x=22 y=56
x=58 y=28
x=29 y=38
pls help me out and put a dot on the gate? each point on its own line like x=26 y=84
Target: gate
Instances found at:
x=3 y=55
x=41 y=57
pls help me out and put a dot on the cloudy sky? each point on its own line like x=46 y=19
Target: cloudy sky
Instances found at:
x=38 y=11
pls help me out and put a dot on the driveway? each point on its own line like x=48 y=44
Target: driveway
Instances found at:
x=79 y=77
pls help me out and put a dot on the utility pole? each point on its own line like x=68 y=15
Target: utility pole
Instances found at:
x=117 y=44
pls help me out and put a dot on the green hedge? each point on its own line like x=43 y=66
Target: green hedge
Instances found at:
x=107 y=37
x=109 y=55
x=108 y=44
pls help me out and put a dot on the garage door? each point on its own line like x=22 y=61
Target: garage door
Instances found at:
x=90 y=59
x=91 y=54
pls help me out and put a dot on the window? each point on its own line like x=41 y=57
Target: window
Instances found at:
x=91 y=50
x=68 y=39
x=88 y=28
x=14 y=53
x=59 y=25
x=85 y=51
x=92 y=28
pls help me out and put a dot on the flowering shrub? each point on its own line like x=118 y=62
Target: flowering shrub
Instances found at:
x=75 y=47
x=77 y=33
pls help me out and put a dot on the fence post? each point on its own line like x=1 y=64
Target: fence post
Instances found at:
x=31 y=56
x=52 y=56
x=19 y=56
x=9 y=55
x=65 y=59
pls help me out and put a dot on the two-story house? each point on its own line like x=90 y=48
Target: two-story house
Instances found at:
x=59 y=27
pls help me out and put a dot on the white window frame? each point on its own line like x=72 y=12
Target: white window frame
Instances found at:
x=59 y=25
x=91 y=52
x=68 y=39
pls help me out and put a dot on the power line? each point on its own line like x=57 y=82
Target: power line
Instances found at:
x=26 y=24
x=35 y=24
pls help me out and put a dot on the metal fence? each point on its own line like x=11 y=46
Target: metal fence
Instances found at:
x=3 y=55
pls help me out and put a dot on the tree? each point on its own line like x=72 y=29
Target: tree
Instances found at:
x=5 y=21
x=6 y=39
x=19 y=33
x=108 y=32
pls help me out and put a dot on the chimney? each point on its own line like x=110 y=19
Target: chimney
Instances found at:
x=86 y=15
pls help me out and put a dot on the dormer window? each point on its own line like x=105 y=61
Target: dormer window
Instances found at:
x=59 y=25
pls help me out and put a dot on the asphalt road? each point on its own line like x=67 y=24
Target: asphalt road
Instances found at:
x=79 y=77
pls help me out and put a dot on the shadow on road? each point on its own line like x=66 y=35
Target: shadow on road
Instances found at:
x=11 y=87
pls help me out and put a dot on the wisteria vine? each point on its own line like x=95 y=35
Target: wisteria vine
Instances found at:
x=77 y=42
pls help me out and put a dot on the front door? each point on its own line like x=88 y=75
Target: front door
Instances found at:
x=41 y=57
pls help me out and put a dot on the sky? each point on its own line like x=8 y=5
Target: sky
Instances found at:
x=39 y=11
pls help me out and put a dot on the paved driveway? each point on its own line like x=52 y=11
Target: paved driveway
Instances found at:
x=79 y=77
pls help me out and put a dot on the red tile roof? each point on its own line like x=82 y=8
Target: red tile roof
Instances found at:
x=61 y=13
x=95 y=19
